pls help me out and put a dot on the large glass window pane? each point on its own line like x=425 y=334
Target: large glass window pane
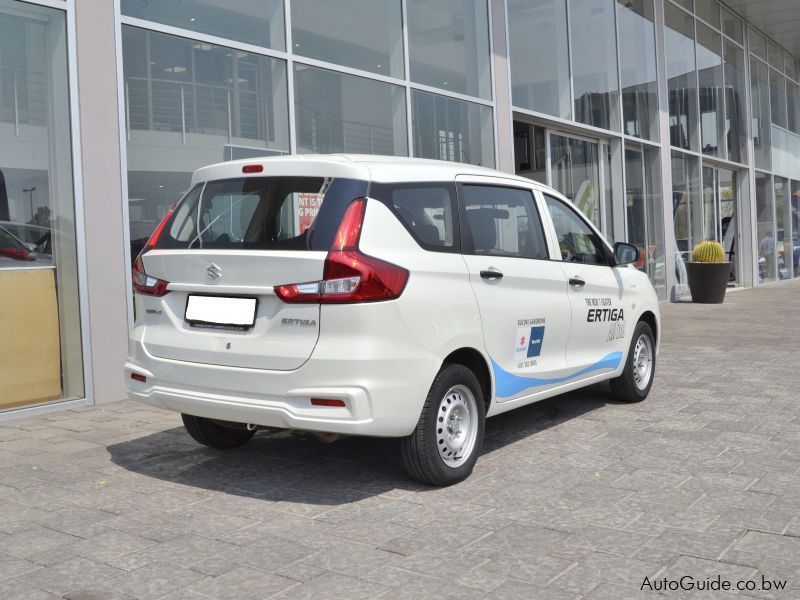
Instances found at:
x=644 y=213
x=783 y=243
x=709 y=72
x=775 y=56
x=530 y=151
x=777 y=96
x=40 y=327
x=685 y=203
x=710 y=204
x=793 y=106
x=448 y=45
x=795 y=210
x=637 y=46
x=539 y=56
x=732 y=26
x=362 y=34
x=335 y=112
x=260 y=23
x=758 y=44
x=759 y=85
x=449 y=129
x=594 y=62
x=681 y=78
x=189 y=104
x=735 y=102
x=765 y=209
x=576 y=173
x=708 y=10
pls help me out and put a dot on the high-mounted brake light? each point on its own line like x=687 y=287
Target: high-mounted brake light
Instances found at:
x=252 y=168
x=142 y=282
x=349 y=276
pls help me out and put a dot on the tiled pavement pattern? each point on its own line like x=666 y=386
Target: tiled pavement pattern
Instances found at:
x=578 y=497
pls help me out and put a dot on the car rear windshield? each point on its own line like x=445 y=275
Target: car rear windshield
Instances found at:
x=261 y=213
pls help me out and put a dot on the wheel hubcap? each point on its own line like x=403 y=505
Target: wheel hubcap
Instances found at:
x=643 y=362
x=457 y=425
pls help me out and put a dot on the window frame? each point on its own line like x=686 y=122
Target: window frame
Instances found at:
x=605 y=247
x=467 y=243
x=450 y=186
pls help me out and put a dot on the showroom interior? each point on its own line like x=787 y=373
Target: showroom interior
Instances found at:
x=667 y=122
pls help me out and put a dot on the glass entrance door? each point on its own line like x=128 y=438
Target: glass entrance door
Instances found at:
x=719 y=211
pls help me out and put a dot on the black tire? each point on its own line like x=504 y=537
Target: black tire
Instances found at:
x=625 y=387
x=214 y=435
x=420 y=451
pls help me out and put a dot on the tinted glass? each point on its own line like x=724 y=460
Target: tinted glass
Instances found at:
x=503 y=222
x=576 y=240
x=363 y=34
x=594 y=63
x=637 y=46
x=708 y=10
x=448 y=45
x=762 y=140
x=259 y=23
x=777 y=96
x=451 y=129
x=732 y=26
x=735 y=102
x=426 y=210
x=537 y=32
x=681 y=79
x=261 y=213
x=709 y=72
x=336 y=112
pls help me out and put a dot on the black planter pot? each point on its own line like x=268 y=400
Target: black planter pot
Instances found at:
x=708 y=281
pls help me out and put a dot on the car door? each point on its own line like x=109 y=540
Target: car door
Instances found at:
x=597 y=338
x=521 y=293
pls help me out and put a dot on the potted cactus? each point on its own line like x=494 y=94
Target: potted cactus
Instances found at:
x=708 y=273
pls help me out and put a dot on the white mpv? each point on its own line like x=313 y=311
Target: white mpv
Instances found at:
x=380 y=296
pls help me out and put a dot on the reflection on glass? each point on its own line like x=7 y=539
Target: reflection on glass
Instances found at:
x=448 y=45
x=793 y=106
x=775 y=56
x=259 y=23
x=795 y=220
x=732 y=26
x=709 y=72
x=685 y=204
x=777 y=96
x=762 y=141
x=537 y=32
x=190 y=104
x=450 y=129
x=335 y=112
x=767 y=265
x=735 y=103
x=530 y=151
x=758 y=44
x=576 y=173
x=594 y=63
x=638 y=68
x=681 y=78
x=708 y=10
x=783 y=245
x=710 y=230
x=644 y=213
x=362 y=34
x=40 y=333
x=726 y=213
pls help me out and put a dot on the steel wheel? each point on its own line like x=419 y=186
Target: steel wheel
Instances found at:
x=457 y=427
x=643 y=362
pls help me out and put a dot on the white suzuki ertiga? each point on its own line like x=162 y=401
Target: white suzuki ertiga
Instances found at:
x=380 y=296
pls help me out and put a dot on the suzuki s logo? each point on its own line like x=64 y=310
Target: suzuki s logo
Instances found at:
x=213 y=271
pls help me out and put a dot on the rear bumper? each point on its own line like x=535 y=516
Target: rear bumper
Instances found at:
x=383 y=386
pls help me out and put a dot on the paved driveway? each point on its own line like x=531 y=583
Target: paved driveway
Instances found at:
x=575 y=497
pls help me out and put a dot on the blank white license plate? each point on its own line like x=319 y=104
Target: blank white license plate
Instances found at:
x=221 y=312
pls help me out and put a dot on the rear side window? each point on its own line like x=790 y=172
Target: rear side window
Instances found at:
x=503 y=221
x=261 y=213
x=427 y=210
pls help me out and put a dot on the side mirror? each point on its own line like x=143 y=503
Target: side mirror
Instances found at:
x=625 y=254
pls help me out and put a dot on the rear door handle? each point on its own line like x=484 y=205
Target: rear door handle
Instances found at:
x=491 y=274
x=576 y=281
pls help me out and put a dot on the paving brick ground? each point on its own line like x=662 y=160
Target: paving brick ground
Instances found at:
x=578 y=497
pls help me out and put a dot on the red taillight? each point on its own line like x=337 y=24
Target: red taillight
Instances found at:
x=252 y=168
x=349 y=275
x=17 y=253
x=142 y=282
x=326 y=402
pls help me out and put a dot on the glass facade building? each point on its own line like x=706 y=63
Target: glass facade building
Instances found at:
x=667 y=122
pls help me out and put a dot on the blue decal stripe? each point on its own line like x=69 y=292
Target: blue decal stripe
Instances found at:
x=507 y=384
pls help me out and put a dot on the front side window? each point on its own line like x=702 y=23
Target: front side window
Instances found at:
x=503 y=222
x=426 y=210
x=577 y=241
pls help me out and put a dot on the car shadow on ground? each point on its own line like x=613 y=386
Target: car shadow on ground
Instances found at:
x=294 y=467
